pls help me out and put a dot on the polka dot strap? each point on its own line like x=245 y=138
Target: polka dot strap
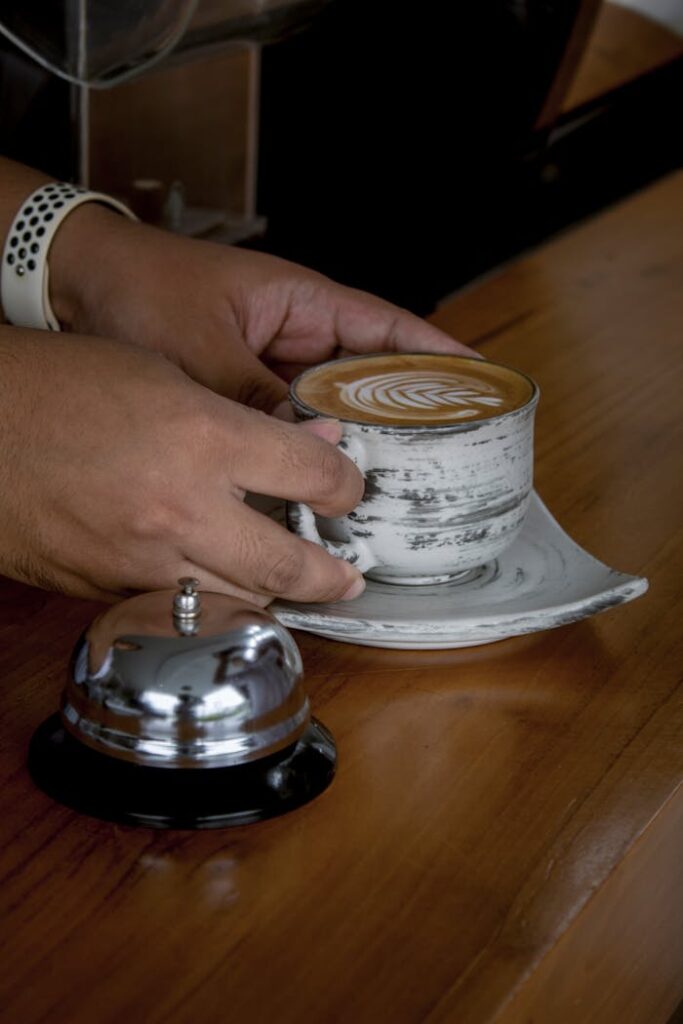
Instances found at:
x=24 y=282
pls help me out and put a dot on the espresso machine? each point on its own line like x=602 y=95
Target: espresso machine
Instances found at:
x=155 y=102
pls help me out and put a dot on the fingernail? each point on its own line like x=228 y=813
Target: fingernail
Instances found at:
x=329 y=430
x=356 y=588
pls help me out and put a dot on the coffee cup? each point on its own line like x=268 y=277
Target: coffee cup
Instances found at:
x=445 y=444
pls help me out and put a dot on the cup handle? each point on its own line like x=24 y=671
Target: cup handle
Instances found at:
x=301 y=520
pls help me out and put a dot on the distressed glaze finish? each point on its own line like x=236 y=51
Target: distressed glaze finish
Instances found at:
x=543 y=580
x=438 y=501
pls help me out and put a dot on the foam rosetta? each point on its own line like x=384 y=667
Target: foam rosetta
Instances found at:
x=413 y=389
x=419 y=391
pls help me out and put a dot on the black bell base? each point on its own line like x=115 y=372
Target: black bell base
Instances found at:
x=180 y=798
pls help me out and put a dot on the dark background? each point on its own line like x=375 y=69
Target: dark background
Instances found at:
x=399 y=147
x=400 y=150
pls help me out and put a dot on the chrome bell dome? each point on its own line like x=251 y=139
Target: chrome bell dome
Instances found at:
x=187 y=710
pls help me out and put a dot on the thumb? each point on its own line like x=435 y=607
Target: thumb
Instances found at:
x=245 y=379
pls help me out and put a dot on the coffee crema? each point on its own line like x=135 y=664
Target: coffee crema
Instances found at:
x=410 y=390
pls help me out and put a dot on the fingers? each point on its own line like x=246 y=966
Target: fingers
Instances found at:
x=245 y=549
x=244 y=379
x=288 y=461
x=329 y=430
x=284 y=411
x=357 y=323
x=365 y=323
x=232 y=550
x=319 y=351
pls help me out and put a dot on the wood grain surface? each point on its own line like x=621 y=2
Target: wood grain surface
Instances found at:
x=623 y=46
x=503 y=840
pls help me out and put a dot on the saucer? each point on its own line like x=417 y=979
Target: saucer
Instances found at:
x=543 y=580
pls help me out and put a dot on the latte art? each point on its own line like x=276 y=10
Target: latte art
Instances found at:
x=410 y=389
x=419 y=390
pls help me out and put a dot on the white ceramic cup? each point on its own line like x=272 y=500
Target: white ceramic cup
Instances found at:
x=440 y=500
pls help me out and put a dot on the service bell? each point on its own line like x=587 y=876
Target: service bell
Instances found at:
x=184 y=710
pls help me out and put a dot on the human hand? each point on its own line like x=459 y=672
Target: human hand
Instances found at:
x=218 y=311
x=118 y=473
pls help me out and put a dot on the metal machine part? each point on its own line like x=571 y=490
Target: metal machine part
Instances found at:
x=100 y=44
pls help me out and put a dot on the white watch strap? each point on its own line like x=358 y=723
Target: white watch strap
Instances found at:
x=24 y=281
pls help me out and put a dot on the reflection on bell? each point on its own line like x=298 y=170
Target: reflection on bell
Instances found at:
x=184 y=710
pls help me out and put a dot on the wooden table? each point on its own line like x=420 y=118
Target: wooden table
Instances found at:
x=504 y=838
x=624 y=46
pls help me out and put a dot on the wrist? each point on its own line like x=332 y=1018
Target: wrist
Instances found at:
x=28 y=256
x=81 y=253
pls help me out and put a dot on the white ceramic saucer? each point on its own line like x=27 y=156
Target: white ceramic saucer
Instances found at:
x=543 y=580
